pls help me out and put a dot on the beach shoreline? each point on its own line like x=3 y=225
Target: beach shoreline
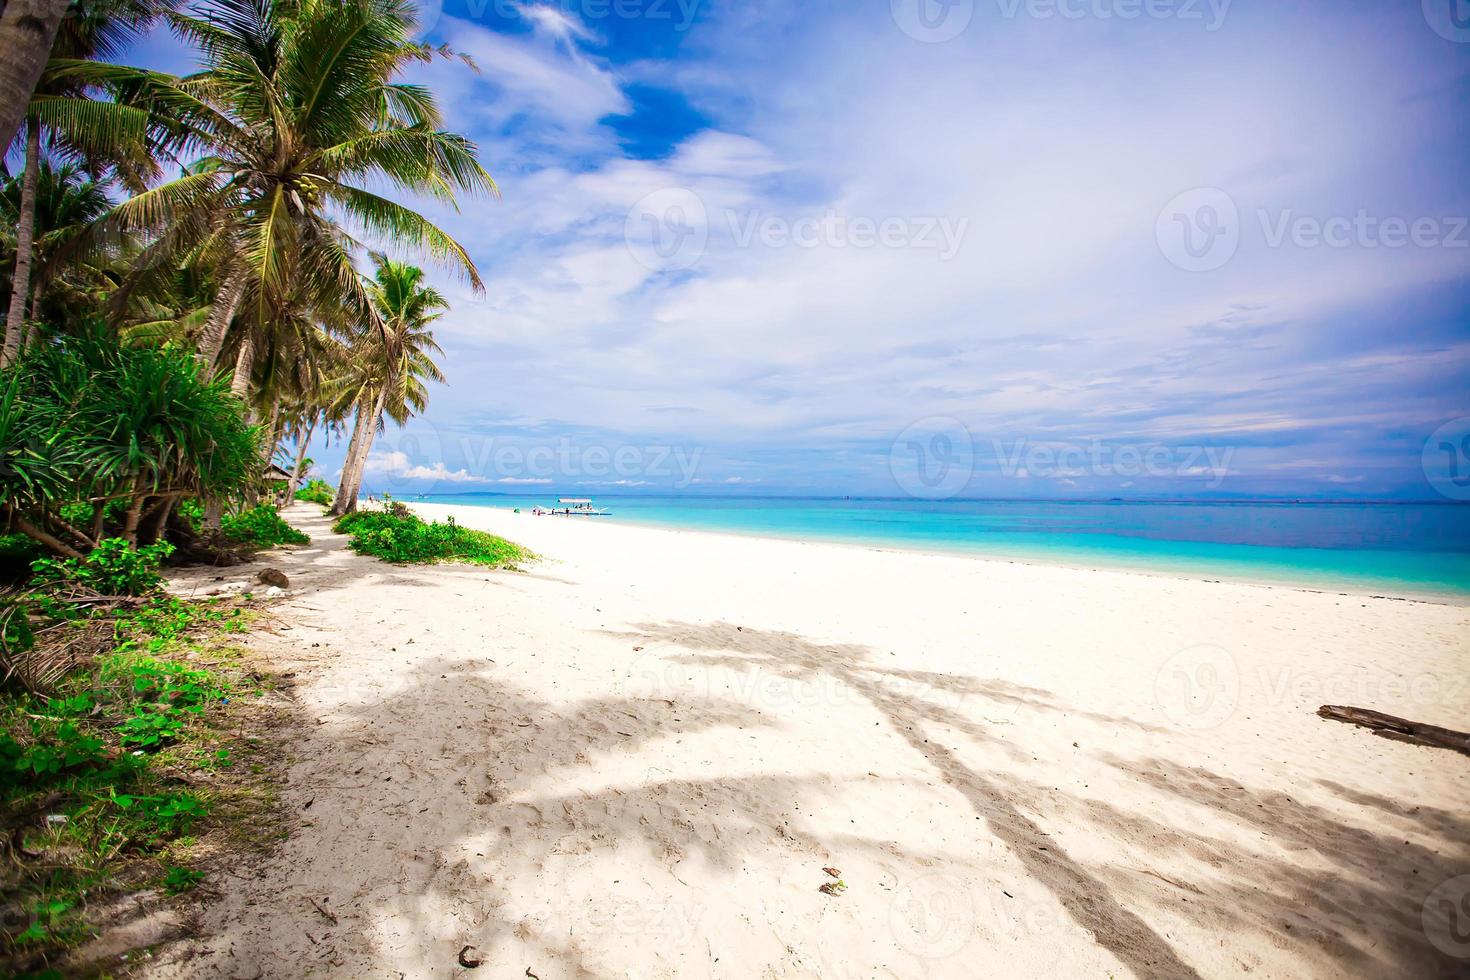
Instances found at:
x=467 y=514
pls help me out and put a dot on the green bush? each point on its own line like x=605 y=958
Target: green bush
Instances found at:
x=317 y=492
x=113 y=568
x=261 y=527
x=88 y=418
x=408 y=539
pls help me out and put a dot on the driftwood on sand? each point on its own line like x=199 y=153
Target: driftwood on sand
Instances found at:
x=1391 y=726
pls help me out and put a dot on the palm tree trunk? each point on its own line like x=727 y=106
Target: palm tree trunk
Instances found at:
x=27 y=32
x=363 y=434
x=131 y=517
x=301 y=448
x=345 y=490
x=220 y=316
x=25 y=234
x=35 y=533
x=243 y=365
x=33 y=329
x=366 y=449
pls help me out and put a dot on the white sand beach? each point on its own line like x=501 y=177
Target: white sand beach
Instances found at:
x=636 y=757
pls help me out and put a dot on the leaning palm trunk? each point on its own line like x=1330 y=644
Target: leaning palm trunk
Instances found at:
x=363 y=434
x=345 y=489
x=301 y=449
x=27 y=31
x=369 y=435
x=220 y=315
x=244 y=363
x=364 y=449
x=25 y=235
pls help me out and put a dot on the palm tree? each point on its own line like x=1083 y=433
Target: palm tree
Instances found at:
x=28 y=28
x=103 y=132
x=392 y=364
x=297 y=109
x=65 y=202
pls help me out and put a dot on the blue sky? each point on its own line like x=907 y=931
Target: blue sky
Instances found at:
x=1051 y=248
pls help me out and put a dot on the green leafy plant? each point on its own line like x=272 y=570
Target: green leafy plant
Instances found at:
x=261 y=527
x=178 y=880
x=317 y=492
x=164 y=816
x=408 y=539
x=114 y=568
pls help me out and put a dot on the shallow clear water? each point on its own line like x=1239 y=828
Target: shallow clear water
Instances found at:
x=1414 y=547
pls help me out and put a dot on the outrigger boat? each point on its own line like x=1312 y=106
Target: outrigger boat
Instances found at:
x=573 y=507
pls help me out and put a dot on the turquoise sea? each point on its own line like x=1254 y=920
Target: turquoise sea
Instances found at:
x=1420 y=548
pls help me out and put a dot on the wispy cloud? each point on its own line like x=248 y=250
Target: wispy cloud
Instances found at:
x=1057 y=315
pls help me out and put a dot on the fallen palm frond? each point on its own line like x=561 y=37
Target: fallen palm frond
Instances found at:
x=79 y=624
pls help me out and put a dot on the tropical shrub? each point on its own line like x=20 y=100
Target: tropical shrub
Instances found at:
x=409 y=539
x=261 y=527
x=317 y=492
x=101 y=440
x=114 y=568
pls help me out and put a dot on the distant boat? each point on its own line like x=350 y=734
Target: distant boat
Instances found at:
x=573 y=507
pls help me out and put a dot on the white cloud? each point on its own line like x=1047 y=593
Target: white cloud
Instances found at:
x=1059 y=314
x=399 y=465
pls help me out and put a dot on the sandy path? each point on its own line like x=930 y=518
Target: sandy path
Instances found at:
x=636 y=759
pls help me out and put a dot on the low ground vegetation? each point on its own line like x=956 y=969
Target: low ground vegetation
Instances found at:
x=398 y=535
x=119 y=731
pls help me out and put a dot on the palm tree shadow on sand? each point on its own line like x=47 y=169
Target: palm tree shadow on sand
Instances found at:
x=1363 y=910
x=511 y=801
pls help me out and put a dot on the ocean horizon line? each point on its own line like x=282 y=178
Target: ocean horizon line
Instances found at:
x=902 y=498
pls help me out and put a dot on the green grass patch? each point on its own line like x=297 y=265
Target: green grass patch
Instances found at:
x=105 y=778
x=261 y=527
x=405 y=539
